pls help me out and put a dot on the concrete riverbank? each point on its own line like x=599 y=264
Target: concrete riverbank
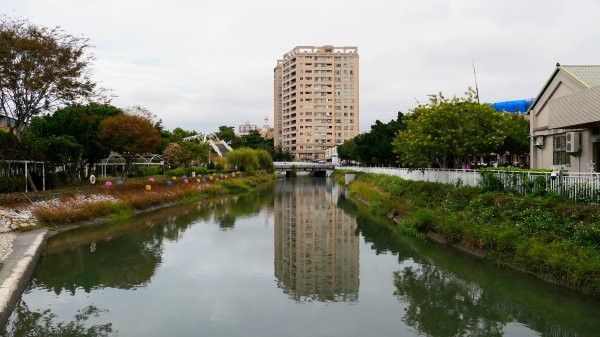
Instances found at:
x=21 y=256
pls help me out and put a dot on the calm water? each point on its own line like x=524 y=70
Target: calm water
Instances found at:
x=297 y=259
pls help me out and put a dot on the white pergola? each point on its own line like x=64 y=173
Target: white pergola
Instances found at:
x=116 y=159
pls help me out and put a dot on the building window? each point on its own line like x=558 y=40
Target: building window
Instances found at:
x=559 y=154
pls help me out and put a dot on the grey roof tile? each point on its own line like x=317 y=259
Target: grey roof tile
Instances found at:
x=589 y=75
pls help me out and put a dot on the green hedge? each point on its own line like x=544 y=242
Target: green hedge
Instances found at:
x=12 y=184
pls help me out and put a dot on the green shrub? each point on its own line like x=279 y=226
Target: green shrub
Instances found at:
x=147 y=171
x=491 y=182
x=179 y=172
x=12 y=184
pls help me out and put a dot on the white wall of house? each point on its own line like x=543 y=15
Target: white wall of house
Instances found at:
x=542 y=156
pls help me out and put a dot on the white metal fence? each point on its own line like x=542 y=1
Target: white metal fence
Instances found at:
x=574 y=186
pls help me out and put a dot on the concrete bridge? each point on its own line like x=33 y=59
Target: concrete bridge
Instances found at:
x=316 y=169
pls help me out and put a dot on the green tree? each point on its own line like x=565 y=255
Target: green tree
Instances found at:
x=447 y=132
x=175 y=136
x=280 y=155
x=254 y=140
x=244 y=159
x=374 y=147
x=81 y=123
x=40 y=68
x=265 y=160
x=129 y=135
x=227 y=134
x=347 y=150
x=194 y=153
x=517 y=134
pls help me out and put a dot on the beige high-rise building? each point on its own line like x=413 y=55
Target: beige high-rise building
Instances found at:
x=316 y=102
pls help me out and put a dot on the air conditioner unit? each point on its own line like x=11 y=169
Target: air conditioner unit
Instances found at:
x=572 y=143
x=539 y=141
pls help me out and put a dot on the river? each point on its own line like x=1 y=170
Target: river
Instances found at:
x=293 y=259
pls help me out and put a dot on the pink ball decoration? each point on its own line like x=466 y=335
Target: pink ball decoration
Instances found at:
x=185 y=181
x=108 y=184
x=151 y=180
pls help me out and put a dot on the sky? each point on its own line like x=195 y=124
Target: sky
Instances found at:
x=199 y=64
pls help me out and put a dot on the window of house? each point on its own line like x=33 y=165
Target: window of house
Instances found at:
x=559 y=154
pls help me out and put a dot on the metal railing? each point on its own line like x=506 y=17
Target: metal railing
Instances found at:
x=571 y=185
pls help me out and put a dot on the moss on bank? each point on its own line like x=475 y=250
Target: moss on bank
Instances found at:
x=132 y=196
x=554 y=239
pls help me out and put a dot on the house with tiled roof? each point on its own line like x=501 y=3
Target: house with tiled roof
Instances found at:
x=565 y=120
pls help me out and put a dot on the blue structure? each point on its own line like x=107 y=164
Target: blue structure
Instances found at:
x=520 y=106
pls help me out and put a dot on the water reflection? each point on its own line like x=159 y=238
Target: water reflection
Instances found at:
x=125 y=254
x=450 y=294
x=316 y=244
x=43 y=323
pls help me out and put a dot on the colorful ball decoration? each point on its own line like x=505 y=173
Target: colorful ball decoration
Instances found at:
x=198 y=180
x=203 y=180
x=148 y=187
x=108 y=184
x=185 y=181
x=169 y=183
x=119 y=182
x=221 y=176
x=151 y=180
x=174 y=177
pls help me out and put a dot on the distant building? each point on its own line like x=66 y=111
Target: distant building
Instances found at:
x=331 y=155
x=245 y=128
x=6 y=122
x=565 y=120
x=316 y=99
x=277 y=104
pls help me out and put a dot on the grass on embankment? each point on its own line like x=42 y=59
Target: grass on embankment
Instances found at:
x=132 y=196
x=555 y=239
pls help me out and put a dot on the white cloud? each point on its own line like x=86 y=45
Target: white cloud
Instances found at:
x=201 y=64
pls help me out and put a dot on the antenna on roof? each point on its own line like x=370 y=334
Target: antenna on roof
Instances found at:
x=476 y=85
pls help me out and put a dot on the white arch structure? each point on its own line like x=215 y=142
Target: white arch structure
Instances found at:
x=115 y=159
x=220 y=147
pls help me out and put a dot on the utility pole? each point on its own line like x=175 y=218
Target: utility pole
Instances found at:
x=476 y=85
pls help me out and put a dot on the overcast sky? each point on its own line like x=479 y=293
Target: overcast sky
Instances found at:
x=200 y=64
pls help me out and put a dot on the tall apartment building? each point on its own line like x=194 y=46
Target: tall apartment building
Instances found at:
x=316 y=102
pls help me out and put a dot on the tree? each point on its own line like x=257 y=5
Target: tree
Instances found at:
x=172 y=155
x=129 y=135
x=194 y=153
x=244 y=159
x=280 y=155
x=227 y=134
x=80 y=122
x=374 y=147
x=40 y=68
x=265 y=161
x=448 y=132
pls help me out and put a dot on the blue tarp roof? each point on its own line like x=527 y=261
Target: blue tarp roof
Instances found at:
x=520 y=106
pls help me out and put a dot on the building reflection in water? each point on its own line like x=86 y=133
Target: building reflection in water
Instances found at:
x=316 y=243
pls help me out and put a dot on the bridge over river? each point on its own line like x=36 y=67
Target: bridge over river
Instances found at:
x=317 y=169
